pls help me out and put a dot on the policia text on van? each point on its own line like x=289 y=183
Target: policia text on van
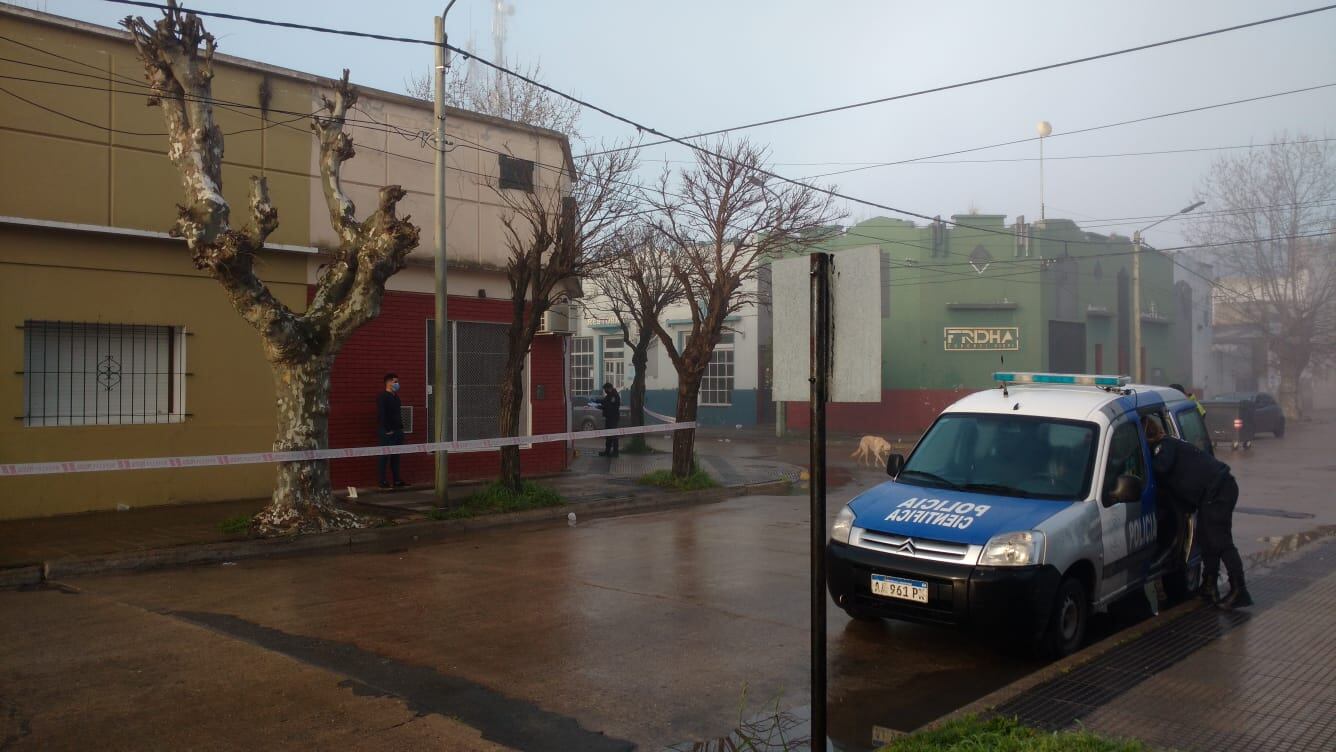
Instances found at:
x=1020 y=511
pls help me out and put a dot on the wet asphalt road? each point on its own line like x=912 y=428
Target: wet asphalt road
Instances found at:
x=634 y=632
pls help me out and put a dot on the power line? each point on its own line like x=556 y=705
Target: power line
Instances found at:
x=1089 y=129
x=641 y=127
x=988 y=79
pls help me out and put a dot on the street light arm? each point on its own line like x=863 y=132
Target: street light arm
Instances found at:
x=1185 y=210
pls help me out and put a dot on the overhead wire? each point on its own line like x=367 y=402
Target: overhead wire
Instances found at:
x=643 y=128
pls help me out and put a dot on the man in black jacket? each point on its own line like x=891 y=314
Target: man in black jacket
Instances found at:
x=1201 y=483
x=611 y=405
x=390 y=429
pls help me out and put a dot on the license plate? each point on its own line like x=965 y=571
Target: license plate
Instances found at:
x=898 y=587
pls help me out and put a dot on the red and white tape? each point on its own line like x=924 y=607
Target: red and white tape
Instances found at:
x=256 y=458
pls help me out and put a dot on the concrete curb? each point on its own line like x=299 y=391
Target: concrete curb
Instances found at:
x=409 y=533
x=1064 y=666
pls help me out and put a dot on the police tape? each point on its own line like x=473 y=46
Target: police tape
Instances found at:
x=306 y=455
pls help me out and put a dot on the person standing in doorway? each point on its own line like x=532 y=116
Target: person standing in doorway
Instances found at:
x=611 y=405
x=390 y=429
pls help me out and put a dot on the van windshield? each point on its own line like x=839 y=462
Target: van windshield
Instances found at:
x=1008 y=455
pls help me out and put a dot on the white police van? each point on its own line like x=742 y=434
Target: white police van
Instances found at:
x=1020 y=511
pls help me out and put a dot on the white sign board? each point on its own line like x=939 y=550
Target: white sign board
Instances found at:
x=856 y=290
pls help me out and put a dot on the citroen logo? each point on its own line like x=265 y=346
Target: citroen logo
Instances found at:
x=907 y=547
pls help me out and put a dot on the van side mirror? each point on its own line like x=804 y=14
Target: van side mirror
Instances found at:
x=894 y=464
x=1126 y=489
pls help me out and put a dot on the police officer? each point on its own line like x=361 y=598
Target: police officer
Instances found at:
x=611 y=405
x=1204 y=484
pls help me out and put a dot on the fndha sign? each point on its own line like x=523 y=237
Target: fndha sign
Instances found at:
x=964 y=338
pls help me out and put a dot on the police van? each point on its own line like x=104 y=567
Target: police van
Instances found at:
x=1021 y=511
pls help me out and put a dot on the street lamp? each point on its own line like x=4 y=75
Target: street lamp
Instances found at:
x=1138 y=367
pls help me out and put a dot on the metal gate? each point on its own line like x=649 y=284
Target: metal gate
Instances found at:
x=1066 y=347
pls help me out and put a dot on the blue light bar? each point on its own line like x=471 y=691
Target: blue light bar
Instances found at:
x=1075 y=379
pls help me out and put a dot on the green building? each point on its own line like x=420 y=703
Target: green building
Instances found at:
x=962 y=299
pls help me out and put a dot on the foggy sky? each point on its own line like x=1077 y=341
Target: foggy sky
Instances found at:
x=691 y=65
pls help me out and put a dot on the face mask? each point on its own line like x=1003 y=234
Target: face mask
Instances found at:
x=395 y=387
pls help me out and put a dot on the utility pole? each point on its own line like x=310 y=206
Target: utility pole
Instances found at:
x=440 y=394
x=1137 y=250
x=1136 y=308
x=821 y=311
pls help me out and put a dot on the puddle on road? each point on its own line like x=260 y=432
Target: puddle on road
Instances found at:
x=1283 y=545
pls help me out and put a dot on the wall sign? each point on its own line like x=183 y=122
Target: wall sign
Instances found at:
x=965 y=338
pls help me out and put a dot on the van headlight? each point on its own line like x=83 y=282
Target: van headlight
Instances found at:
x=1013 y=550
x=843 y=525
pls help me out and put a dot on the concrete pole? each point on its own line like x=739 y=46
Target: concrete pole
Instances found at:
x=441 y=363
x=1136 y=308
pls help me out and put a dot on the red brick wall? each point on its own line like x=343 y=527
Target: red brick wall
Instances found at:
x=901 y=412
x=397 y=341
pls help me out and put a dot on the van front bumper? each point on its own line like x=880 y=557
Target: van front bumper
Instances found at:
x=1014 y=601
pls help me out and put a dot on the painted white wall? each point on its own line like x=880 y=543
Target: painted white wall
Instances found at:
x=593 y=319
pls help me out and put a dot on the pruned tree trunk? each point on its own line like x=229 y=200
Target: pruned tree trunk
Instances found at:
x=512 y=409
x=178 y=63
x=639 y=361
x=302 y=499
x=684 y=440
x=1291 y=367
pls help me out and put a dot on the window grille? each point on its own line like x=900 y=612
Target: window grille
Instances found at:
x=716 y=386
x=582 y=366
x=516 y=173
x=79 y=374
x=406 y=417
x=480 y=362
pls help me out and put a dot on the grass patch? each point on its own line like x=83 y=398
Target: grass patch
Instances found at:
x=497 y=498
x=1006 y=735
x=697 y=480
x=236 y=525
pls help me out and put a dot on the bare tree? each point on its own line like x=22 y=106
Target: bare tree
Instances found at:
x=554 y=241
x=636 y=287
x=502 y=96
x=1275 y=208
x=177 y=54
x=728 y=218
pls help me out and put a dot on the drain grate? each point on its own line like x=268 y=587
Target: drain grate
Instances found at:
x=1264 y=512
x=1064 y=700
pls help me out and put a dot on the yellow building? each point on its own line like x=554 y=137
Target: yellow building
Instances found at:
x=111 y=343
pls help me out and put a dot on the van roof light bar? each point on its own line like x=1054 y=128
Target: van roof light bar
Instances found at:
x=1072 y=379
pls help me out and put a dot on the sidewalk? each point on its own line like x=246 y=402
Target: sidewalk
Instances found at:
x=1258 y=679
x=591 y=478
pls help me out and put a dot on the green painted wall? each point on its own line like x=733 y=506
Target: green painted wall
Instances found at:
x=932 y=285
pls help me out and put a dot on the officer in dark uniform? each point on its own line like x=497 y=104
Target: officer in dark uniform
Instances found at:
x=1201 y=483
x=611 y=405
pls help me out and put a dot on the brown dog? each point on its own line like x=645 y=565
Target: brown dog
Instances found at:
x=872 y=451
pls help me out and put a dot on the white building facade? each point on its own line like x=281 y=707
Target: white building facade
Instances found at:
x=731 y=392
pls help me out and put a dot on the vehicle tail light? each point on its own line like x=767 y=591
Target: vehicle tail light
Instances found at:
x=1238 y=423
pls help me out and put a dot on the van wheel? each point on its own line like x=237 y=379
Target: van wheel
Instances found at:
x=1067 y=624
x=1183 y=583
x=587 y=424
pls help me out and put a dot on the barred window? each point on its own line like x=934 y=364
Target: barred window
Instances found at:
x=614 y=362
x=516 y=173
x=476 y=362
x=480 y=362
x=716 y=387
x=582 y=366
x=79 y=374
